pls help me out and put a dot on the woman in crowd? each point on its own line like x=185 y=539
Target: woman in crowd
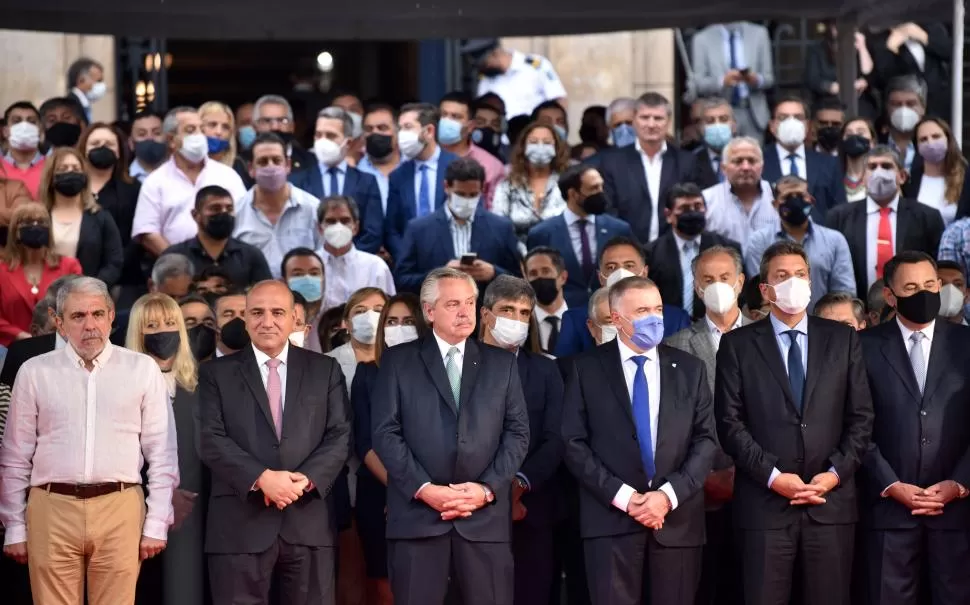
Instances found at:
x=858 y=136
x=80 y=228
x=330 y=329
x=28 y=265
x=939 y=180
x=12 y=194
x=219 y=127
x=529 y=194
x=157 y=329
x=401 y=321
x=106 y=150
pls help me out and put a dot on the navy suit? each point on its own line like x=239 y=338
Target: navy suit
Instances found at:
x=554 y=232
x=824 y=179
x=402 y=203
x=360 y=186
x=575 y=338
x=427 y=245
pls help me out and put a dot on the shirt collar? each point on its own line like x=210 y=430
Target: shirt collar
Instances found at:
x=780 y=328
x=262 y=358
x=873 y=208
x=663 y=149
x=518 y=60
x=782 y=233
x=444 y=347
x=927 y=331
x=81 y=97
x=681 y=241
x=431 y=162
x=626 y=353
x=784 y=153
x=59 y=342
x=541 y=313
x=38 y=157
x=713 y=329
x=341 y=167
x=571 y=217
x=327 y=257
x=98 y=362
x=136 y=170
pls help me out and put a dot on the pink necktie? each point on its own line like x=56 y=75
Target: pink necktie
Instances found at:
x=274 y=391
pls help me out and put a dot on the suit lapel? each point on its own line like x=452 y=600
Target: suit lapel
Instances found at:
x=407 y=189
x=670 y=395
x=469 y=371
x=350 y=182
x=560 y=240
x=936 y=365
x=772 y=169
x=251 y=376
x=701 y=343
x=523 y=361
x=294 y=376
x=439 y=187
x=609 y=356
x=817 y=345
x=894 y=351
x=444 y=241
x=636 y=168
x=431 y=356
x=670 y=250
x=903 y=217
x=767 y=345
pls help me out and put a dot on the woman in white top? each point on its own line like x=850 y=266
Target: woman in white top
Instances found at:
x=529 y=193
x=939 y=180
x=858 y=136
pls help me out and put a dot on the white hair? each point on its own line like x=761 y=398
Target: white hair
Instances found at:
x=170 y=124
x=272 y=100
x=429 y=288
x=737 y=142
x=620 y=104
x=82 y=285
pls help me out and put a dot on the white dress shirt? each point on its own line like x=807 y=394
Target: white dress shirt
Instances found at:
x=926 y=344
x=799 y=160
x=575 y=236
x=545 y=330
x=652 y=167
x=716 y=333
x=872 y=234
x=652 y=371
x=352 y=271
x=262 y=358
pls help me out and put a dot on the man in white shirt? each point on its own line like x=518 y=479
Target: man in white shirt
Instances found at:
x=86 y=419
x=523 y=81
x=546 y=271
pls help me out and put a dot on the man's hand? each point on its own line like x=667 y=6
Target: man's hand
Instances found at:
x=517 y=491
x=480 y=270
x=150 y=547
x=281 y=487
x=182 y=501
x=815 y=490
x=788 y=485
x=861 y=85
x=904 y=492
x=652 y=511
x=719 y=485
x=732 y=78
x=17 y=552
x=860 y=41
x=896 y=39
x=751 y=78
x=518 y=510
x=472 y=498
x=436 y=496
x=930 y=501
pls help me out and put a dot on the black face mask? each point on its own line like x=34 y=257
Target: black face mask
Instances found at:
x=163 y=345
x=234 y=335
x=546 y=290
x=795 y=210
x=488 y=139
x=855 y=146
x=691 y=223
x=202 y=341
x=828 y=137
x=150 y=152
x=35 y=236
x=378 y=145
x=595 y=204
x=102 y=158
x=62 y=134
x=219 y=226
x=920 y=308
x=70 y=183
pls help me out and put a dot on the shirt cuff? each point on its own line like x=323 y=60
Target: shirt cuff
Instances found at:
x=774 y=475
x=668 y=489
x=424 y=485
x=309 y=487
x=836 y=473
x=761 y=81
x=885 y=493
x=622 y=498
x=15 y=534
x=155 y=529
x=525 y=479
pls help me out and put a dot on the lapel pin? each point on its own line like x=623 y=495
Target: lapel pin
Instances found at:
x=673 y=365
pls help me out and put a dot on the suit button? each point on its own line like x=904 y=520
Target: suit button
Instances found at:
x=924 y=441
x=276 y=447
x=799 y=460
x=804 y=426
x=634 y=436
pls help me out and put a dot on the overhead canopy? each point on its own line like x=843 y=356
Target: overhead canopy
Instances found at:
x=421 y=19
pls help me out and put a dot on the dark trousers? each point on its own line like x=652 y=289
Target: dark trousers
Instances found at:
x=824 y=563
x=305 y=576
x=899 y=558
x=623 y=570
x=721 y=568
x=419 y=570
x=532 y=548
x=568 y=555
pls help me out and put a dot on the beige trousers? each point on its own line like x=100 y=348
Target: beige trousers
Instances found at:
x=73 y=542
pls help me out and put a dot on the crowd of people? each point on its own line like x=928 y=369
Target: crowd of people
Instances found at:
x=438 y=355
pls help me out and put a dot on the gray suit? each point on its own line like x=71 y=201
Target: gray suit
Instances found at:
x=709 y=52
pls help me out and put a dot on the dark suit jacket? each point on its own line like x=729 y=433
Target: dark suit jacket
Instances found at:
x=820 y=73
x=625 y=184
x=239 y=442
x=574 y=336
x=360 y=186
x=760 y=429
x=20 y=351
x=917 y=439
x=912 y=185
x=704 y=174
x=918 y=227
x=118 y=198
x=99 y=247
x=553 y=232
x=422 y=436
x=824 y=179
x=665 y=267
x=603 y=453
x=427 y=245
x=936 y=72
x=401 y=202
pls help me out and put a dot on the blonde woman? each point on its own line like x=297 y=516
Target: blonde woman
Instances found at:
x=219 y=128
x=157 y=329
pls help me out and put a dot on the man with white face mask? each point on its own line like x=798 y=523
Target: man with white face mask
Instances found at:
x=905 y=107
x=347 y=268
x=794 y=411
x=953 y=294
x=85 y=77
x=23 y=161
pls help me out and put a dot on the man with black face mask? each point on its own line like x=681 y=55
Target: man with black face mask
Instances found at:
x=380 y=145
x=546 y=272
x=63 y=119
x=829 y=117
x=488 y=113
x=230 y=310
x=827 y=249
x=580 y=232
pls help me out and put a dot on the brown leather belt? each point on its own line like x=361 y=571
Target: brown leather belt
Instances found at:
x=84 y=491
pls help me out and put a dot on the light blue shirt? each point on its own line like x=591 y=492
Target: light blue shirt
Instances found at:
x=432 y=164
x=137 y=171
x=295 y=228
x=365 y=165
x=341 y=169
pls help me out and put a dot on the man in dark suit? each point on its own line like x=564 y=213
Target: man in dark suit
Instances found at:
x=909 y=224
x=672 y=253
x=621 y=257
x=536 y=495
x=640 y=449
x=637 y=178
x=918 y=468
x=452 y=429
x=580 y=232
x=331 y=175
x=797 y=433
x=789 y=155
x=275 y=433
x=415 y=188
x=460 y=227
x=719 y=127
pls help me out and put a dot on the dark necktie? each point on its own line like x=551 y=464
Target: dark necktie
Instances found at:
x=796 y=371
x=587 y=255
x=553 y=322
x=334 y=183
x=793 y=165
x=641 y=416
x=733 y=41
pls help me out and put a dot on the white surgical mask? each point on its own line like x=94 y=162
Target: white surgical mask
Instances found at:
x=791 y=132
x=617 y=275
x=97 y=91
x=397 y=335
x=297 y=338
x=509 y=333
x=463 y=207
x=410 y=143
x=338 y=235
x=951 y=301
x=720 y=297
x=607 y=333
x=363 y=327
x=24 y=136
x=328 y=153
x=904 y=119
x=540 y=154
x=793 y=295
x=358 y=121
x=195 y=148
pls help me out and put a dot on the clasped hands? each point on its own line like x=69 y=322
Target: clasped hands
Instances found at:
x=927 y=502
x=649 y=509
x=282 y=488
x=457 y=500
x=798 y=492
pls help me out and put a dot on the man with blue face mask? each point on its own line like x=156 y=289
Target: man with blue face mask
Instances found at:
x=641 y=457
x=455 y=134
x=717 y=122
x=619 y=117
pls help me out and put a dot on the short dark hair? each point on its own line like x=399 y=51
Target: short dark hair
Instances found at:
x=427 y=113
x=507 y=287
x=71 y=103
x=147 y=113
x=19 y=105
x=213 y=271
x=554 y=255
x=622 y=240
x=551 y=104
x=949 y=264
x=378 y=107
x=79 y=68
x=298 y=253
x=682 y=190
x=193 y=298
x=790 y=97
x=751 y=293
x=300 y=301
x=906 y=257
x=828 y=104
x=788 y=179
x=228 y=293
x=491 y=95
x=875 y=302
x=571 y=179
x=654 y=99
x=210 y=192
x=270 y=138
x=782 y=248
x=837 y=298
x=464 y=169
x=458 y=96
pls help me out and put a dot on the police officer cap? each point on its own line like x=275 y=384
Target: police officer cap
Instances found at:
x=479 y=46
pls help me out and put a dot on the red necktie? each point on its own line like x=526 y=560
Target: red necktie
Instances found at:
x=884 y=241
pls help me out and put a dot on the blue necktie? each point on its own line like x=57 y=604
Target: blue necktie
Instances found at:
x=334 y=183
x=424 y=193
x=733 y=42
x=641 y=416
x=793 y=165
x=796 y=371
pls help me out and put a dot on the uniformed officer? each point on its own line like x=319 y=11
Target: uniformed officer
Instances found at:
x=522 y=81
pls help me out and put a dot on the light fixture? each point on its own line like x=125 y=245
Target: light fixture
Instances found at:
x=325 y=62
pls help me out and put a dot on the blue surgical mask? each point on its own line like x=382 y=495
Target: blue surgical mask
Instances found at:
x=717 y=135
x=247 y=135
x=624 y=135
x=560 y=131
x=217 y=145
x=648 y=331
x=308 y=286
x=449 y=131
